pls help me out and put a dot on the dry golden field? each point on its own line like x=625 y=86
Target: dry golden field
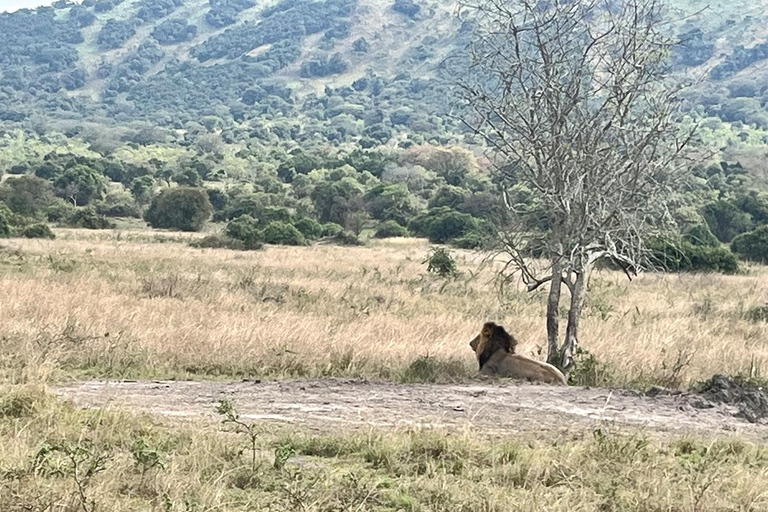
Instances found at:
x=134 y=304
x=143 y=305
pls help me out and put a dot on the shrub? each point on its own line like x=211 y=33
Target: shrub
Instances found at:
x=345 y=237
x=757 y=313
x=88 y=218
x=441 y=225
x=390 y=229
x=726 y=220
x=282 y=233
x=60 y=211
x=472 y=240
x=80 y=184
x=5 y=221
x=118 y=205
x=752 y=245
x=27 y=195
x=686 y=257
x=222 y=242
x=331 y=229
x=310 y=228
x=441 y=262
x=38 y=231
x=702 y=236
x=246 y=230
x=182 y=208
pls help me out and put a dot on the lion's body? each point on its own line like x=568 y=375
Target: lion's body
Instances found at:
x=516 y=366
x=495 y=350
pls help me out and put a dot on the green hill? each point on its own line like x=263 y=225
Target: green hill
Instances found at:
x=338 y=70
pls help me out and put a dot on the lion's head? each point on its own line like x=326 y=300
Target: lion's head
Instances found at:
x=491 y=339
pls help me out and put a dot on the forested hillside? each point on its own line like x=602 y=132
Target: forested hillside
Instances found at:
x=335 y=111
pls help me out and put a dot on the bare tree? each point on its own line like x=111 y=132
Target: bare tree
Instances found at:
x=574 y=99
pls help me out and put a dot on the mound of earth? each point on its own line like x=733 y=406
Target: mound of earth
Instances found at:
x=750 y=399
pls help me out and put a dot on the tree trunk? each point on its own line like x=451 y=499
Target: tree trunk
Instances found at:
x=553 y=313
x=574 y=316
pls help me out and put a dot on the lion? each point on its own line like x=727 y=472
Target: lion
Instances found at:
x=495 y=350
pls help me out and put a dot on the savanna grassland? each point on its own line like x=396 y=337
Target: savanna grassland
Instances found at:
x=123 y=305
x=131 y=304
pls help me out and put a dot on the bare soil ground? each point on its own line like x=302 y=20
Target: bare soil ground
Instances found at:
x=491 y=406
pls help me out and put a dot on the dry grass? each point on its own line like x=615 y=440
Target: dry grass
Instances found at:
x=170 y=310
x=127 y=463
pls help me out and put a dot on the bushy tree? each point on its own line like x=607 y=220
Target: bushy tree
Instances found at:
x=390 y=229
x=310 y=228
x=38 y=231
x=726 y=221
x=143 y=189
x=5 y=221
x=336 y=200
x=282 y=233
x=683 y=256
x=701 y=235
x=89 y=218
x=80 y=185
x=182 y=208
x=27 y=196
x=246 y=229
x=752 y=245
x=391 y=202
x=442 y=225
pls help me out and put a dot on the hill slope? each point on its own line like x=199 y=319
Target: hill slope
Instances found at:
x=346 y=68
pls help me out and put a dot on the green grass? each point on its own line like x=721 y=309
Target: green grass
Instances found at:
x=127 y=462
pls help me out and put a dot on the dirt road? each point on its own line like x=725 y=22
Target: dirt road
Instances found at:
x=494 y=407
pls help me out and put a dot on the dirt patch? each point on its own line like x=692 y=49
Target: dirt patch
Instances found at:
x=330 y=404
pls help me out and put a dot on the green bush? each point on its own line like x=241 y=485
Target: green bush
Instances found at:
x=726 y=220
x=282 y=233
x=310 y=228
x=182 y=208
x=27 y=195
x=38 y=231
x=60 y=211
x=752 y=245
x=80 y=184
x=686 y=257
x=88 y=218
x=442 y=225
x=390 y=229
x=331 y=229
x=118 y=205
x=441 y=262
x=221 y=242
x=246 y=230
x=345 y=237
x=5 y=221
x=472 y=240
x=702 y=236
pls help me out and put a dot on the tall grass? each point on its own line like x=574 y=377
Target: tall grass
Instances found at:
x=115 y=305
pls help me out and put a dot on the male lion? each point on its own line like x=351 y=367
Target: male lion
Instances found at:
x=495 y=350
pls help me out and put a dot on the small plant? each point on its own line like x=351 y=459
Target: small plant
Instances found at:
x=146 y=457
x=283 y=452
x=441 y=262
x=232 y=417
x=81 y=462
x=589 y=370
